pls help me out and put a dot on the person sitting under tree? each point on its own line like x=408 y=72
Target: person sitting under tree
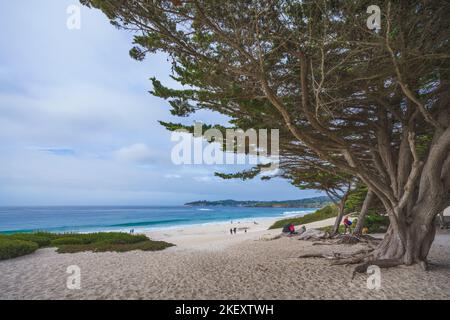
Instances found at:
x=347 y=225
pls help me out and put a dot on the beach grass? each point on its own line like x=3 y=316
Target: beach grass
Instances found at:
x=326 y=212
x=20 y=244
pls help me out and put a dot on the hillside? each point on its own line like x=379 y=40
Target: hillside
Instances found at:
x=315 y=202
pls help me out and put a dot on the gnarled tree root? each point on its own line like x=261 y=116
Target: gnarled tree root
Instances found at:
x=382 y=263
x=340 y=258
x=345 y=239
x=318 y=255
x=356 y=257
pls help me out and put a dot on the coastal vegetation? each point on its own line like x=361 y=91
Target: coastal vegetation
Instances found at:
x=327 y=212
x=375 y=223
x=315 y=202
x=16 y=248
x=347 y=99
x=20 y=244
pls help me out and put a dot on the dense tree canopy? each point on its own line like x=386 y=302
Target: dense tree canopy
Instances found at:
x=373 y=104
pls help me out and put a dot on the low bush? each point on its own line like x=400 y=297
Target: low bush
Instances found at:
x=376 y=223
x=18 y=244
x=66 y=240
x=147 y=245
x=42 y=239
x=321 y=214
x=15 y=248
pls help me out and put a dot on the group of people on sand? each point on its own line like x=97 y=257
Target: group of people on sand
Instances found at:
x=234 y=230
x=289 y=229
x=348 y=226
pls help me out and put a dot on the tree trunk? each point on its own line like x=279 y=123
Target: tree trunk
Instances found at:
x=409 y=236
x=340 y=215
x=418 y=243
x=363 y=213
x=442 y=220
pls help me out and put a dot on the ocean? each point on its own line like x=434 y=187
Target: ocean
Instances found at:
x=125 y=218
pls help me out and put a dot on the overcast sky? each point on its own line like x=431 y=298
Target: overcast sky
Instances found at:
x=78 y=126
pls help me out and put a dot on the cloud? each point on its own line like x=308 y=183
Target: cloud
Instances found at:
x=172 y=176
x=137 y=153
x=59 y=151
x=204 y=179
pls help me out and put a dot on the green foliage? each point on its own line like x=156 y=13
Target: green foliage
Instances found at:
x=321 y=214
x=15 y=245
x=376 y=223
x=107 y=237
x=41 y=239
x=15 y=248
x=66 y=240
x=329 y=229
x=105 y=246
x=246 y=174
x=355 y=199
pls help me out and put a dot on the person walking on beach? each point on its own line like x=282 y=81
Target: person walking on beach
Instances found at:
x=231 y=231
x=234 y=230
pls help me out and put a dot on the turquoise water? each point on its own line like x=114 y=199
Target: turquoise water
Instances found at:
x=90 y=219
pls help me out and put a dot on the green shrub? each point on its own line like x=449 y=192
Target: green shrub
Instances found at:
x=15 y=248
x=23 y=243
x=66 y=240
x=42 y=240
x=327 y=212
x=147 y=245
x=110 y=237
x=113 y=238
x=376 y=223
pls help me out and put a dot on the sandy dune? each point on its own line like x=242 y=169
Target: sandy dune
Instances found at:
x=212 y=264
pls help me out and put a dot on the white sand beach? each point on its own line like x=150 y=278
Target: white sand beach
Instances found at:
x=210 y=263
